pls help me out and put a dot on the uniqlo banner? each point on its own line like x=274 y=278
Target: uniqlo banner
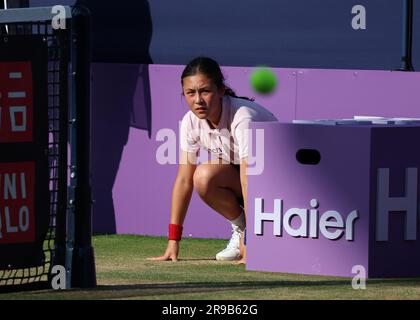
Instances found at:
x=24 y=173
x=17 y=186
x=16 y=102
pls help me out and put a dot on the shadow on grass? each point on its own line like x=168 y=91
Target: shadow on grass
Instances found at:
x=148 y=290
x=197 y=259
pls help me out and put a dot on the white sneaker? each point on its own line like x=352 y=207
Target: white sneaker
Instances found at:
x=231 y=252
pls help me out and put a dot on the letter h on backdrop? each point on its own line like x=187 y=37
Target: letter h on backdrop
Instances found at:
x=386 y=203
x=261 y=216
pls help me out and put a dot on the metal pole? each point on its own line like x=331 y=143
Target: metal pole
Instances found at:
x=407 y=37
x=83 y=273
x=6 y=28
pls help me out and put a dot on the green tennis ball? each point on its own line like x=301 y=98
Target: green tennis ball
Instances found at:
x=263 y=80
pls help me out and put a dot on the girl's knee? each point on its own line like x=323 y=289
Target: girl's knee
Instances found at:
x=202 y=179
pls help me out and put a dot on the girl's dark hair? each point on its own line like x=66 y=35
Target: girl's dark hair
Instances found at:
x=211 y=69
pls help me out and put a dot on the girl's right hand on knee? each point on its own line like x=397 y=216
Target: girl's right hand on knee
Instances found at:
x=171 y=253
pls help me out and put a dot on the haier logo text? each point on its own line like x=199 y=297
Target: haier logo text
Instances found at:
x=332 y=225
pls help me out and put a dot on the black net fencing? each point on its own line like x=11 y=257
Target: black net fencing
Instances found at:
x=36 y=146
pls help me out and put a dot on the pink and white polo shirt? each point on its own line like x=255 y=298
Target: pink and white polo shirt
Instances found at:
x=229 y=140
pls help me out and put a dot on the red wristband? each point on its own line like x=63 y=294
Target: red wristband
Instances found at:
x=175 y=232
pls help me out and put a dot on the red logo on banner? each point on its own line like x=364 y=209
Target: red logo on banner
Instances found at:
x=16 y=102
x=17 y=216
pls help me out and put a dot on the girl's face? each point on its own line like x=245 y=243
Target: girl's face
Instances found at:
x=203 y=97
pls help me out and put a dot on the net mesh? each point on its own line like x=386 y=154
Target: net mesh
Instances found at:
x=58 y=64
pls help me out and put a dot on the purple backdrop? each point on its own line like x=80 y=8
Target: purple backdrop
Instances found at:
x=133 y=103
x=339 y=182
x=345 y=180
